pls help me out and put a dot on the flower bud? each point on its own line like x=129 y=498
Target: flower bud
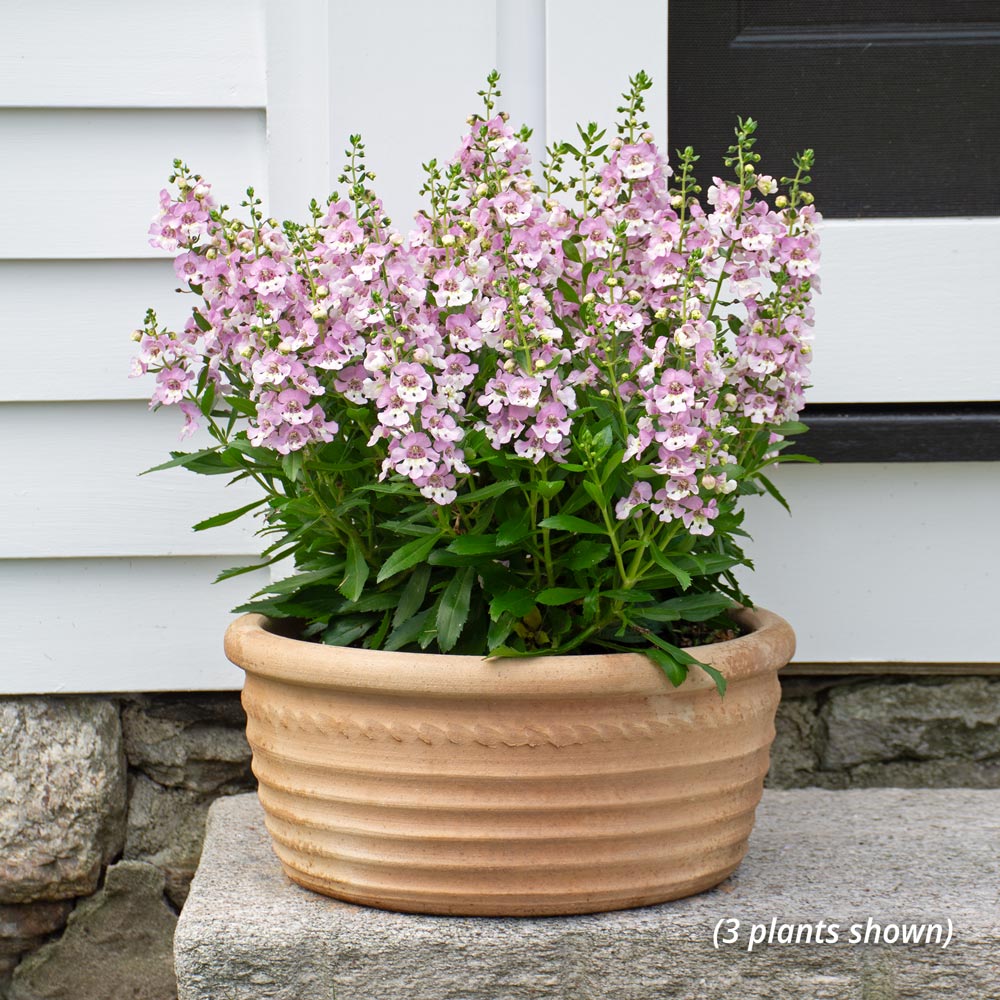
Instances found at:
x=447 y=240
x=211 y=253
x=137 y=335
x=605 y=393
x=708 y=481
x=421 y=355
x=647 y=136
x=522 y=287
x=322 y=291
x=589 y=297
x=508 y=365
x=781 y=201
x=318 y=313
x=509 y=344
x=660 y=314
x=482 y=190
x=611 y=282
x=245 y=351
x=616 y=143
x=676 y=200
x=399 y=341
x=396 y=240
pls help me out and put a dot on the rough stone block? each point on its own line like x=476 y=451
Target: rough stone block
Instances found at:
x=24 y=926
x=958 y=718
x=62 y=795
x=188 y=741
x=117 y=944
x=915 y=860
x=166 y=827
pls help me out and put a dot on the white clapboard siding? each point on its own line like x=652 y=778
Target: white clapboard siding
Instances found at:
x=404 y=73
x=909 y=311
x=85 y=183
x=78 y=625
x=65 y=325
x=592 y=50
x=72 y=486
x=882 y=563
x=120 y=53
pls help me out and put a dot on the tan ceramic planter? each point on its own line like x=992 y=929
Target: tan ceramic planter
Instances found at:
x=453 y=784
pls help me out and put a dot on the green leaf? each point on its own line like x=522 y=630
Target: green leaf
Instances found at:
x=344 y=631
x=682 y=577
x=571 y=251
x=185 y=458
x=720 y=681
x=203 y=324
x=453 y=610
x=487 y=492
x=568 y=291
x=408 y=555
x=595 y=492
x=791 y=427
x=229 y=515
x=549 y=490
x=692 y=608
x=297 y=581
x=512 y=531
x=567 y=522
x=515 y=602
x=774 y=491
x=245 y=406
x=629 y=596
x=355 y=571
x=676 y=672
x=413 y=595
x=585 y=555
x=473 y=545
x=498 y=632
x=408 y=631
x=554 y=596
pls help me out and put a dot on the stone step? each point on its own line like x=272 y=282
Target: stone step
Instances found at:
x=833 y=883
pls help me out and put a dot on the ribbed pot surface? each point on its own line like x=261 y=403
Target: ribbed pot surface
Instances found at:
x=458 y=785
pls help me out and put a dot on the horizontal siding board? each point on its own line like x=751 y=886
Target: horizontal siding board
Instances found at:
x=891 y=563
x=85 y=184
x=80 y=625
x=118 y=53
x=871 y=345
x=908 y=311
x=73 y=487
x=82 y=312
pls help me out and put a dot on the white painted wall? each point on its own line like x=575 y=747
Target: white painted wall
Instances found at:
x=106 y=588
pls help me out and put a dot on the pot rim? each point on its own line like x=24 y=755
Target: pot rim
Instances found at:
x=254 y=643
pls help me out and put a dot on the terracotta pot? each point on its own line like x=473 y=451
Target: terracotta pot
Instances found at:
x=459 y=785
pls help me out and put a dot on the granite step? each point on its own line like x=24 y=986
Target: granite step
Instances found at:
x=875 y=894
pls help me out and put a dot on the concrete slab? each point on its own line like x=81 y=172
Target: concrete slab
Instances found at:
x=833 y=883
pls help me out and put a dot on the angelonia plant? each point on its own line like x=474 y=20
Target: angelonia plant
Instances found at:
x=525 y=426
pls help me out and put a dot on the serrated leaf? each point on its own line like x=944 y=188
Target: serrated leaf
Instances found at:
x=229 y=515
x=567 y=522
x=408 y=631
x=413 y=595
x=355 y=572
x=408 y=555
x=516 y=602
x=629 y=596
x=184 y=458
x=682 y=577
x=555 y=596
x=344 y=631
x=498 y=632
x=453 y=609
x=774 y=491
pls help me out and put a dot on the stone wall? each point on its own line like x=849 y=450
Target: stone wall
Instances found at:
x=103 y=803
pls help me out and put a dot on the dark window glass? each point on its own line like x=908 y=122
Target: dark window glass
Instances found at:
x=901 y=101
